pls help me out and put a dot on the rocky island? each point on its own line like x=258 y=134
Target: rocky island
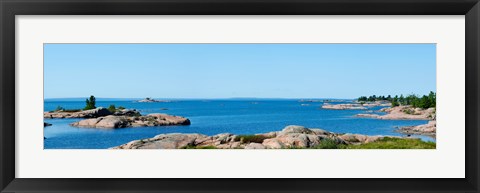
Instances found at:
x=92 y=113
x=150 y=100
x=113 y=122
x=291 y=137
x=112 y=117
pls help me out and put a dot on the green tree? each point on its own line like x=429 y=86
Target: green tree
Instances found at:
x=112 y=108
x=432 y=98
x=413 y=100
x=401 y=100
x=370 y=98
x=424 y=102
x=362 y=98
x=395 y=101
x=90 y=103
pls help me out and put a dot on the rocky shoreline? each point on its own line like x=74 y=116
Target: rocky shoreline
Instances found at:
x=410 y=113
x=93 y=113
x=426 y=129
x=343 y=106
x=290 y=137
x=403 y=112
x=355 y=106
x=114 y=122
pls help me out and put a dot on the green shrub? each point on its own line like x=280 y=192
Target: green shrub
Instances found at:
x=59 y=108
x=112 y=108
x=251 y=138
x=328 y=143
x=395 y=143
x=121 y=107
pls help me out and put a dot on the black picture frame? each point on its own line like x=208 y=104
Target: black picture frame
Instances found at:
x=10 y=8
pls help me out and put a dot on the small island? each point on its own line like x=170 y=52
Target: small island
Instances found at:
x=114 y=122
x=113 y=117
x=151 y=100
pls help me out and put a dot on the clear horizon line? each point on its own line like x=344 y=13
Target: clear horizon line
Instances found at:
x=200 y=98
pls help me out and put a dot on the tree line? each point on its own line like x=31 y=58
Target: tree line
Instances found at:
x=425 y=101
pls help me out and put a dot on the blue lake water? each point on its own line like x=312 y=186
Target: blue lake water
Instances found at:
x=212 y=117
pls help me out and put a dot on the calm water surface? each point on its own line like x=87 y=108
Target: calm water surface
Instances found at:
x=212 y=117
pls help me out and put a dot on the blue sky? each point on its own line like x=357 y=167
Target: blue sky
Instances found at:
x=238 y=70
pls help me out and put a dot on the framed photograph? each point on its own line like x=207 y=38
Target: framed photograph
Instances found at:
x=239 y=96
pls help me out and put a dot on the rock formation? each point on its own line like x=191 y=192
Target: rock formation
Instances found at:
x=403 y=112
x=290 y=137
x=426 y=129
x=343 y=106
x=150 y=120
x=98 y=112
x=150 y=100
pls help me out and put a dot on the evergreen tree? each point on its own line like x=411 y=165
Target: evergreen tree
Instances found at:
x=432 y=97
x=90 y=103
x=401 y=100
x=395 y=101
x=362 y=98
x=424 y=102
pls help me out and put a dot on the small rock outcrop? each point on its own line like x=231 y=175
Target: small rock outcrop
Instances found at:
x=165 y=141
x=45 y=124
x=93 y=113
x=426 y=129
x=368 y=115
x=290 y=137
x=127 y=112
x=113 y=122
x=150 y=100
x=403 y=112
x=359 y=139
x=344 y=107
x=376 y=104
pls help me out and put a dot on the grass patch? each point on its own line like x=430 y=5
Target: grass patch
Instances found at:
x=251 y=138
x=395 y=143
x=329 y=144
